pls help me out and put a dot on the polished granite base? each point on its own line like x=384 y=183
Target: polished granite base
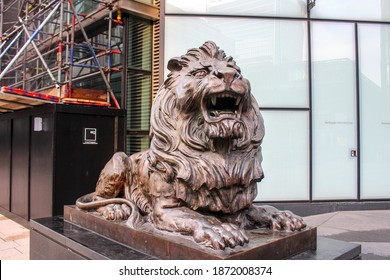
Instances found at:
x=55 y=238
x=263 y=243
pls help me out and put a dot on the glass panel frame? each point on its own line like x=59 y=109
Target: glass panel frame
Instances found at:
x=279 y=8
x=372 y=10
x=286 y=170
x=334 y=128
x=374 y=74
x=267 y=51
x=138 y=83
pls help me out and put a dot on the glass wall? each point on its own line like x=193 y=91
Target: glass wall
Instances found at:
x=321 y=76
x=273 y=56
x=139 y=83
x=372 y=10
x=291 y=8
x=334 y=110
x=374 y=55
x=285 y=156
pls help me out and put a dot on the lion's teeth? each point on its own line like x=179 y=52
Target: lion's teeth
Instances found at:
x=214 y=100
x=238 y=100
x=215 y=113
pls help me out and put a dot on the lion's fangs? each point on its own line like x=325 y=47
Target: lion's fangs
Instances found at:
x=225 y=103
x=214 y=100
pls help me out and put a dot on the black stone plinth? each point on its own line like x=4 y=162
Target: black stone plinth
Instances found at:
x=331 y=249
x=263 y=243
x=54 y=238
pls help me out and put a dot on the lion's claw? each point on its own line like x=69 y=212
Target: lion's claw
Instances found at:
x=286 y=220
x=271 y=217
x=220 y=236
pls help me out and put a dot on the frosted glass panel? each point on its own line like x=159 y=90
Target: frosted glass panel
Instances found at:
x=377 y=10
x=271 y=54
x=285 y=156
x=294 y=8
x=374 y=52
x=334 y=112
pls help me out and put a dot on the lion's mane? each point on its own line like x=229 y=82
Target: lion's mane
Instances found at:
x=179 y=143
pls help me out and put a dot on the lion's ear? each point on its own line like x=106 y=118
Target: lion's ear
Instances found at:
x=175 y=64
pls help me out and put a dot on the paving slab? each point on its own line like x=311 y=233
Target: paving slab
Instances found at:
x=376 y=248
x=370 y=229
x=14 y=240
x=13 y=254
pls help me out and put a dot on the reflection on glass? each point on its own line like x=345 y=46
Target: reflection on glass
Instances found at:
x=334 y=112
x=377 y=10
x=138 y=101
x=374 y=55
x=293 y=8
x=271 y=54
x=285 y=156
x=136 y=143
x=139 y=51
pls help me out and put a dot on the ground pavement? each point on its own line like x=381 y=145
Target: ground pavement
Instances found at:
x=371 y=229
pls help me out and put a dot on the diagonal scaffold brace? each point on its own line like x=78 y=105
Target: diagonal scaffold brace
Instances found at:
x=106 y=82
x=30 y=39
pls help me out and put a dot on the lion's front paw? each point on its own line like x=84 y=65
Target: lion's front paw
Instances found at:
x=286 y=220
x=220 y=236
x=115 y=212
x=275 y=219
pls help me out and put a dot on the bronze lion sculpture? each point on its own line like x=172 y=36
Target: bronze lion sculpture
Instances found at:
x=199 y=176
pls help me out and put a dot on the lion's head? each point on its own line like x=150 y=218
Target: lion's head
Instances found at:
x=206 y=127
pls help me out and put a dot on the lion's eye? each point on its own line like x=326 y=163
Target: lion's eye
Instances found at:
x=200 y=73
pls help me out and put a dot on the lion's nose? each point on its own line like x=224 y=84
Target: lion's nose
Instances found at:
x=228 y=75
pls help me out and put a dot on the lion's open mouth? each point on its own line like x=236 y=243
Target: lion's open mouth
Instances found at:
x=222 y=105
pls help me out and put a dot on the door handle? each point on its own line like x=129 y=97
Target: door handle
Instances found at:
x=354 y=153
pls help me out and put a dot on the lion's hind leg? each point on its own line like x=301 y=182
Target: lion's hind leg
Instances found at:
x=113 y=177
x=108 y=199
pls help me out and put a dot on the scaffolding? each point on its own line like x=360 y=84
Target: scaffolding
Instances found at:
x=50 y=49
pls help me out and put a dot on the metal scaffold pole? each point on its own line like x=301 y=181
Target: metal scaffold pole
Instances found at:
x=39 y=54
x=109 y=89
x=20 y=52
x=47 y=49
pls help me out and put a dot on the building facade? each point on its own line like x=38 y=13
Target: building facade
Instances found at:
x=320 y=71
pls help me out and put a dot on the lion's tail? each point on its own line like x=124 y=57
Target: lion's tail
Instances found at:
x=86 y=202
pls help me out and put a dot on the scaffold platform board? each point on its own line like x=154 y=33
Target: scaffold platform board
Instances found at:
x=13 y=99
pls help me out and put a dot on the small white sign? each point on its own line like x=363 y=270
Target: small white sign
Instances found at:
x=38 y=124
x=90 y=135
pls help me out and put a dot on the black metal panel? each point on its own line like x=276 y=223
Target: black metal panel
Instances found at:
x=5 y=164
x=20 y=167
x=79 y=157
x=41 y=165
x=46 y=167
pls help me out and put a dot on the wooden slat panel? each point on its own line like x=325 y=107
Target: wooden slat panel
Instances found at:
x=89 y=94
